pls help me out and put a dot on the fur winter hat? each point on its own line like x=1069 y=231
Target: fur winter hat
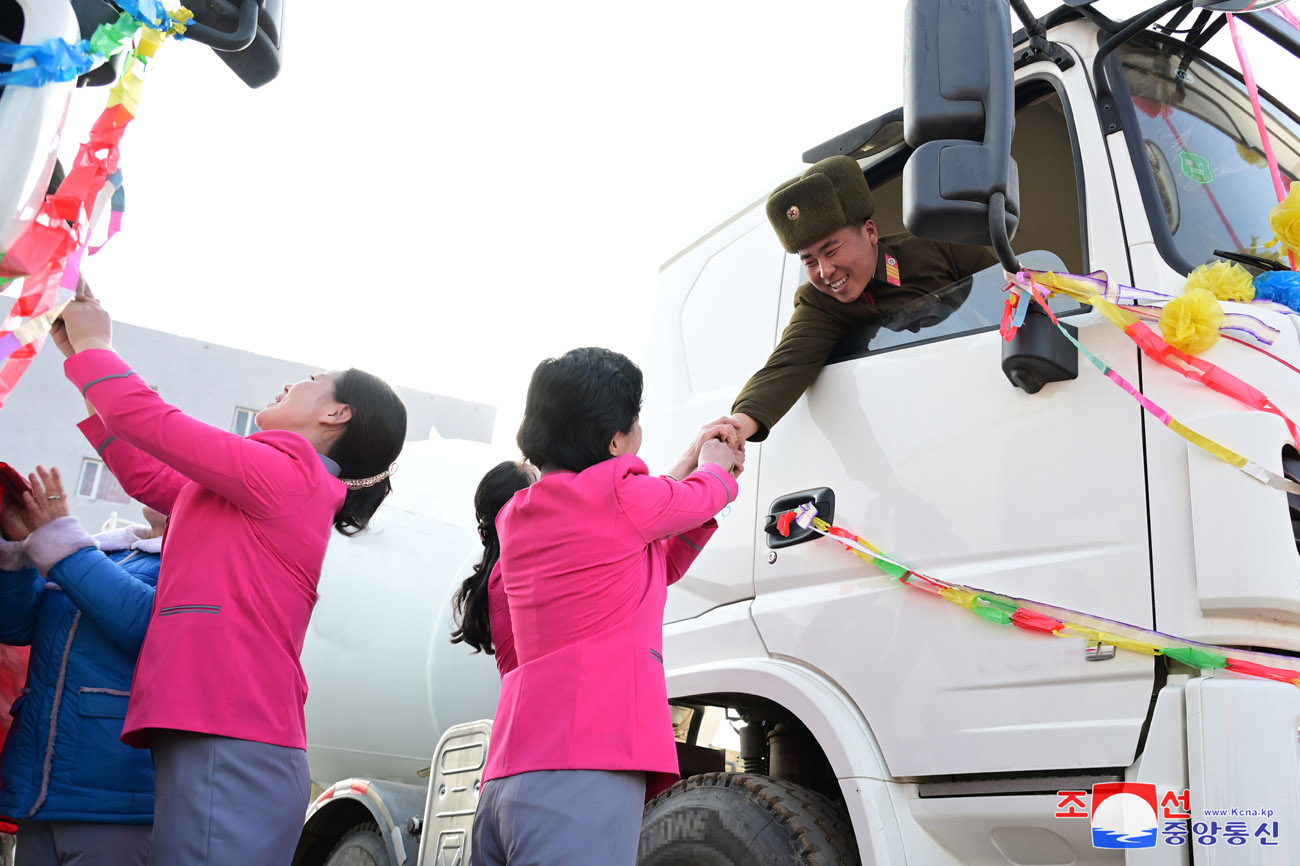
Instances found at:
x=830 y=195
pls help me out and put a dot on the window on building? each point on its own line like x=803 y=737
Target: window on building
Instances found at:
x=97 y=482
x=243 y=424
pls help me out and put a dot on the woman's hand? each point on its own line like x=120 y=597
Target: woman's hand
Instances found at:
x=58 y=331
x=722 y=428
x=12 y=522
x=738 y=459
x=59 y=334
x=86 y=323
x=719 y=452
x=46 y=502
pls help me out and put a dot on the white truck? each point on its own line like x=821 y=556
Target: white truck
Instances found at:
x=870 y=723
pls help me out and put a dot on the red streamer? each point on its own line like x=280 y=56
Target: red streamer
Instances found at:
x=1242 y=666
x=1031 y=621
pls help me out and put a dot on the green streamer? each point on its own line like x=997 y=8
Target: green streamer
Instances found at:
x=1195 y=658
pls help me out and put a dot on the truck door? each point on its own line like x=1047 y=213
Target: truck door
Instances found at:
x=718 y=317
x=936 y=458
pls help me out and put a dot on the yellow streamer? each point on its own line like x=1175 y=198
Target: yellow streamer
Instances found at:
x=150 y=41
x=959 y=596
x=180 y=21
x=1209 y=445
x=1115 y=640
x=38 y=326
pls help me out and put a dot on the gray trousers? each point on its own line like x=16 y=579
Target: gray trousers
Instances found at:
x=559 y=818
x=222 y=801
x=81 y=843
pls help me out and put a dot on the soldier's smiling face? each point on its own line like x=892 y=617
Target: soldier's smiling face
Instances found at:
x=842 y=263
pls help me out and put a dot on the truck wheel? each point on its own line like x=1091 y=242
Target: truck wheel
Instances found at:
x=360 y=846
x=720 y=819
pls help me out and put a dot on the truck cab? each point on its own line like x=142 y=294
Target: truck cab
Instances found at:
x=963 y=732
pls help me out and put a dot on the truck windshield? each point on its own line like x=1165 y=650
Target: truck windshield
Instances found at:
x=1204 y=150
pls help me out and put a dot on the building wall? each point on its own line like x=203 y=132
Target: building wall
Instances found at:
x=207 y=381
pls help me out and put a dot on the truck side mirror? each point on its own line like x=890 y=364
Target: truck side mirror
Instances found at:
x=244 y=33
x=961 y=185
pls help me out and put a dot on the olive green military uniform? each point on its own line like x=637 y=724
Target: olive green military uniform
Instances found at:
x=832 y=194
x=819 y=320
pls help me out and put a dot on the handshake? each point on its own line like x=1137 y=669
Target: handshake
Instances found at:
x=720 y=442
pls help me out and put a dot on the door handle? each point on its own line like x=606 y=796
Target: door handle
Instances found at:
x=822 y=498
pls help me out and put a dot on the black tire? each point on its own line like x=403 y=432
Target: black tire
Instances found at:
x=360 y=846
x=739 y=819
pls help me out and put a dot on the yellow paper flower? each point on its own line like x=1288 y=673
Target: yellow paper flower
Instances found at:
x=1251 y=156
x=1191 y=322
x=1227 y=281
x=1284 y=219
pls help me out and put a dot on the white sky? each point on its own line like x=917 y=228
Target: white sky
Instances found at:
x=446 y=193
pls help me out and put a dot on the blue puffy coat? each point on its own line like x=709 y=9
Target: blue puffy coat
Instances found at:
x=85 y=626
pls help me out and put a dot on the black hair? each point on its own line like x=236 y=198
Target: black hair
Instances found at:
x=470 y=602
x=368 y=445
x=575 y=405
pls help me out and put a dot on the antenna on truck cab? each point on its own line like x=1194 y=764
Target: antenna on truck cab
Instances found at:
x=1040 y=47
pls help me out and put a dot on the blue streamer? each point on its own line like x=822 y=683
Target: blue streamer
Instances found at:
x=150 y=13
x=54 y=59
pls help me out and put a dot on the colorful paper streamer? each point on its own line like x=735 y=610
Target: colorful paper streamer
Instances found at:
x=57 y=60
x=48 y=253
x=1037 y=285
x=1046 y=619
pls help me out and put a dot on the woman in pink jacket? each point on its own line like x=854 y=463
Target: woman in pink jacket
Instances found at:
x=218 y=691
x=479 y=605
x=583 y=732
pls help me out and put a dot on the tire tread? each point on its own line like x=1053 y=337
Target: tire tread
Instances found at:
x=819 y=826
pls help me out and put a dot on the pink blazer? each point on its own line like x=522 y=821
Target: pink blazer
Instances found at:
x=586 y=560
x=250 y=518
x=503 y=637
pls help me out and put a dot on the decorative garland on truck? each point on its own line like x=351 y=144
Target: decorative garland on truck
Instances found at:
x=1097 y=290
x=1037 y=617
x=48 y=253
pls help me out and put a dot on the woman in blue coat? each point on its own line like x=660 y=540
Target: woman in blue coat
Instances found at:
x=82 y=603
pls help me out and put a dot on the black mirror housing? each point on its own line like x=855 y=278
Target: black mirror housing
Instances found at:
x=947 y=69
x=946 y=185
x=246 y=34
x=1039 y=353
x=958 y=112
